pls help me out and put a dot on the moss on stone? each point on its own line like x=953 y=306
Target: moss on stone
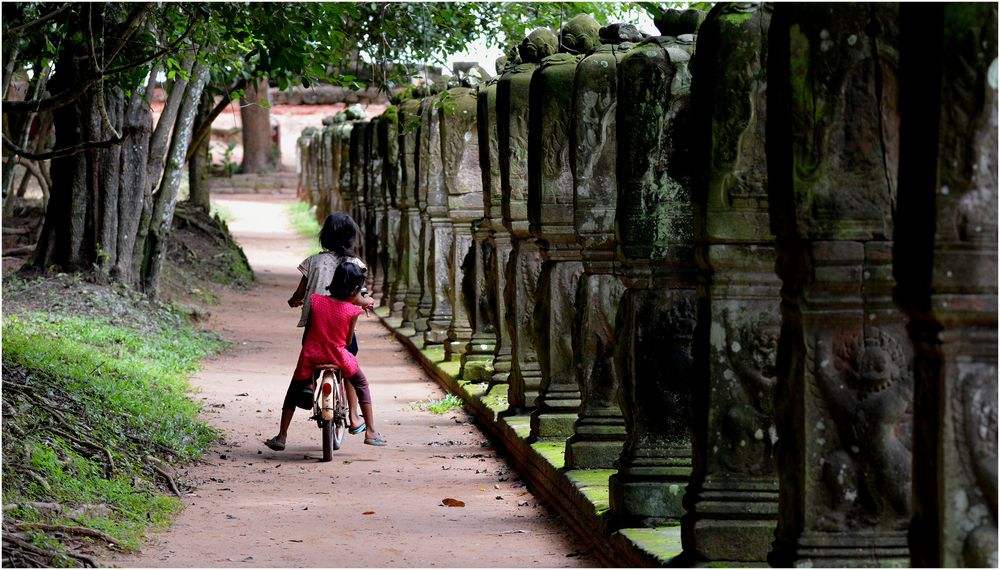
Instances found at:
x=434 y=353
x=520 y=424
x=593 y=483
x=382 y=311
x=552 y=450
x=663 y=543
x=451 y=368
x=736 y=19
x=496 y=398
x=475 y=389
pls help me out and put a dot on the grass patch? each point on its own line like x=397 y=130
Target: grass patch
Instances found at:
x=90 y=408
x=219 y=211
x=302 y=217
x=442 y=406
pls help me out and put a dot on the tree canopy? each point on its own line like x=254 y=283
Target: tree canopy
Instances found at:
x=86 y=71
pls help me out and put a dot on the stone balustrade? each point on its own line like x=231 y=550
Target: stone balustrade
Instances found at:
x=747 y=267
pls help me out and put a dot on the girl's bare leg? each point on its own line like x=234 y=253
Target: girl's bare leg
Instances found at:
x=352 y=405
x=286 y=420
x=370 y=431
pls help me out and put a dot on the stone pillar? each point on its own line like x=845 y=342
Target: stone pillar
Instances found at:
x=388 y=213
x=497 y=247
x=409 y=231
x=343 y=187
x=945 y=263
x=462 y=184
x=336 y=161
x=424 y=241
x=844 y=392
x=525 y=263
x=439 y=230
x=732 y=500
x=323 y=165
x=354 y=189
x=308 y=147
x=369 y=208
x=657 y=313
x=599 y=432
x=550 y=213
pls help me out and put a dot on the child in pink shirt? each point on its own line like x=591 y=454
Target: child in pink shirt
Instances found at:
x=331 y=324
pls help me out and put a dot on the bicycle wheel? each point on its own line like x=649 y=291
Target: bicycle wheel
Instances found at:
x=338 y=424
x=325 y=399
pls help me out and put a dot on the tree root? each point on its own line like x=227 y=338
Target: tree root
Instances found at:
x=77 y=530
x=26 y=546
x=88 y=444
x=151 y=462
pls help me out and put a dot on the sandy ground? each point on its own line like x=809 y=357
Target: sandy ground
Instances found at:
x=371 y=506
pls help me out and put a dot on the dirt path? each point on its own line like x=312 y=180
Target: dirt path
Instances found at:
x=252 y=507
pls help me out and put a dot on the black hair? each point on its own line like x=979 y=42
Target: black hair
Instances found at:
x=340 y=234
x=346 y=280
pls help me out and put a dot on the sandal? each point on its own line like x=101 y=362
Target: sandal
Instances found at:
x=275 y=444
x=377 y=440
x=357 y=430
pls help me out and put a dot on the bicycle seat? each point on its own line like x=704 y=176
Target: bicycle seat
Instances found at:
x=326 y=367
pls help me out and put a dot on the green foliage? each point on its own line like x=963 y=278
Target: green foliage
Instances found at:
x=142 y=376
x=94 y=403
x=302 y=217
x=442 y=406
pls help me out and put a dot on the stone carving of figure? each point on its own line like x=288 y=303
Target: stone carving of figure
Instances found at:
x=580 y=35
x=867 y=469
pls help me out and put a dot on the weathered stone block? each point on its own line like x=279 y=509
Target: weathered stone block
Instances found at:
x=525 y=261
x=734 y=485
x=946 y=268
x=497 y=246
x=409 y=232
x=844 y=368
x=657 y=313
x=599 y=433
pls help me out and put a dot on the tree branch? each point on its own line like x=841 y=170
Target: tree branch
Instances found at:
x=101 y=107
x=73 y=93
x=61 y=152
x=135 y=20
x=206 y=127
x=43 y=19
x=156 y=55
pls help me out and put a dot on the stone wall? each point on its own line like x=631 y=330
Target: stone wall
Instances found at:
x=749 y=265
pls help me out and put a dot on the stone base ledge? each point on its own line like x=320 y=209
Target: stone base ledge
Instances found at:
x=580 y=496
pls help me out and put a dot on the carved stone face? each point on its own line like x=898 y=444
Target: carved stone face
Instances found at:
x=539 y=44
x=581 y=34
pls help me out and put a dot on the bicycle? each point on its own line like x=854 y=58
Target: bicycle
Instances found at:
x=330 y=408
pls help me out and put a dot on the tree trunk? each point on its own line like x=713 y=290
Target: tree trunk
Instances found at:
x=154 y=167
x=21 y=131
x=108 y=187
x=166 y=198
x=61 y=238
x=255 y=115
x=199 y=168
x=134 y=185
